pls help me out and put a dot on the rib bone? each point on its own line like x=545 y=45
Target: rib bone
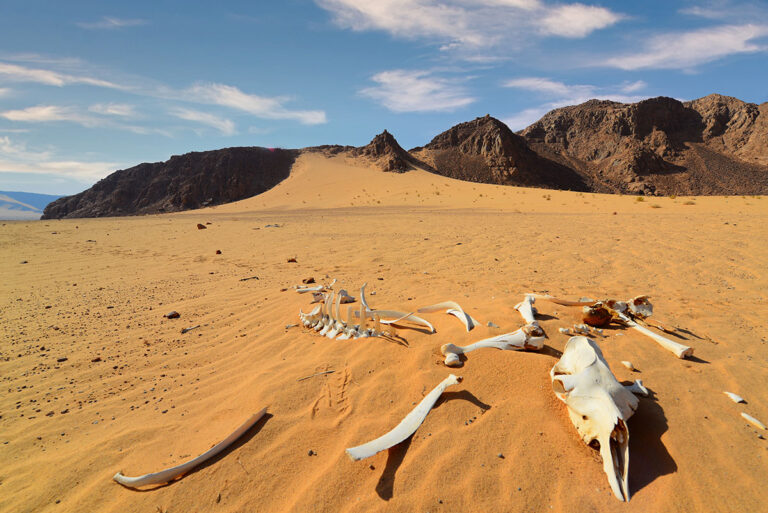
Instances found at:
x=598 y=405
x=453 y=308
x=169 y=474
x=519 y=339
x=735 y=398
x=753 y=420
x=407 y=426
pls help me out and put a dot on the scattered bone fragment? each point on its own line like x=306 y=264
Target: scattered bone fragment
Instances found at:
x=735 y=398
x=304 y=290
x=169 y=474
x=520 y=339
x=678 y=350
x=453 y=308
x=596 y=315
x=628 y=365
x=565 y=331
x=362 y=297
x=598 y=405
x=753 y=420
x=185 y=330
x=345 y=297
x=526 y=309
x=638 y=388
x=406 y=427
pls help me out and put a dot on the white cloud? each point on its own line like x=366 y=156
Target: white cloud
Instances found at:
x=41 y=114
x=225 y=126
x=686 y=50
x=110 y=22
x=113 y=109
x=577 y=20
x=16 y=157
x=562 y=95
x=4 y=91
x=260 y=106
x=19 y=73
x=470 y=25
x=416 y=91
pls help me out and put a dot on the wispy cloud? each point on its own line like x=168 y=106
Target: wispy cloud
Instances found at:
x=110 y=22
x=260 y=106
x=44 y=113
x=470 y=26
x=17 y=73
x=4 y=91
x=225 y=126
x=416 y=91
x=560 y=94
x=577 y=20
x=687 y=50
x=113 y=109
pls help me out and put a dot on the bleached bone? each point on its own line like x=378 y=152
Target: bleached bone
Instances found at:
x=678 y=350
x=520 y=339
x=169 y=474
x=637 y=388
x=330 y=320
x=338 y=325
x=562 y=302
x=598 y=405
x=407 y=426
x=753 y=420
x=345 y=297
x=640 y=307
x=597 y=315
x=735 y=398
x=303 y=290
x=453 y=308
x=308 y=319
x=398 y=316
x=362 y=297
x=526 y=309
x=628 y=365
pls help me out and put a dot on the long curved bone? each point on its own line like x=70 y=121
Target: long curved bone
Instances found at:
x=678 y=350
x=169 y=474
x=407 y=426
x=303 y=290
x=362 y=297
x=398 y=316
x=453 y=308
x=598 y=405
x=753 y=420
x=734 y=397
x=519 y=339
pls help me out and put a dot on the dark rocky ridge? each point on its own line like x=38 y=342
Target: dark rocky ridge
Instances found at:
x=713 y=145
x=184 y=182
x=485 y=150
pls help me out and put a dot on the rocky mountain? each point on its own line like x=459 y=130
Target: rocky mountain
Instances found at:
x=184 y=182
x=485 y=150
x=713 y=145
x=386 y=152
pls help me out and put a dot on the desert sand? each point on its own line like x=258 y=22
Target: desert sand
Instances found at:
x=96 y=380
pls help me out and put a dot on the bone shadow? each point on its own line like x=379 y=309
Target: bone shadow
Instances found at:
x=242 y=440
x=395 y=457
x=420 y=330
x=550 y=351
x=648 y=457
x=545 y=317
x=465 y=395
x=696 y=359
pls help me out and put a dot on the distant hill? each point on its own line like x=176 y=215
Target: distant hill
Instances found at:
x=23 y=205
x=716 y=145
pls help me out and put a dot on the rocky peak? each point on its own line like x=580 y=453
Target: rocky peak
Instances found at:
x=387 y=153
x=485 y=136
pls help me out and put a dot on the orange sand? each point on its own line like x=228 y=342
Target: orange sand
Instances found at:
x=98 y=288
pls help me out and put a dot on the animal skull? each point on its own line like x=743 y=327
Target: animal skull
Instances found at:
x=598 y=405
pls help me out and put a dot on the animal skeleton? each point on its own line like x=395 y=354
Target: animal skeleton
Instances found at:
x=598 y=405
x=169 y=474
x=407 y=426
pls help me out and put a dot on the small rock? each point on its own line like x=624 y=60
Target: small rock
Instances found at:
x=292 y=260
x=369 y=466
x=65 y=411
x=201 y=226
x=761 y=437
x=49 y=414
x=500 y=456
x=97 y=359
x=380 y=278
x=24 y=262
x=218 y=252
x=492 y=325
x=218 y=498
x=63 y=359
x=311 y=453
x=172 y=315
x=307 y=281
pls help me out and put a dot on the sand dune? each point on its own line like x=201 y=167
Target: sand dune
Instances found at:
x=134 y=394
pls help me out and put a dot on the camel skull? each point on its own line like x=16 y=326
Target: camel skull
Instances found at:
x=598 y=405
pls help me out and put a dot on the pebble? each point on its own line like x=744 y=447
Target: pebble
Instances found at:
x=307 y=281
x=97 y=359
x=500 y=456
x=218 y=252
x=311 y=453
x=201 y=226
x=492 y=325
x=292 y=260
x=63 y=359
x=172 y=315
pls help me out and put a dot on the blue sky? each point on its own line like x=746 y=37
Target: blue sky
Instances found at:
x=88 y=87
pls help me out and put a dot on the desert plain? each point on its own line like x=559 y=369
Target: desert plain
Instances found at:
x=96 y=380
